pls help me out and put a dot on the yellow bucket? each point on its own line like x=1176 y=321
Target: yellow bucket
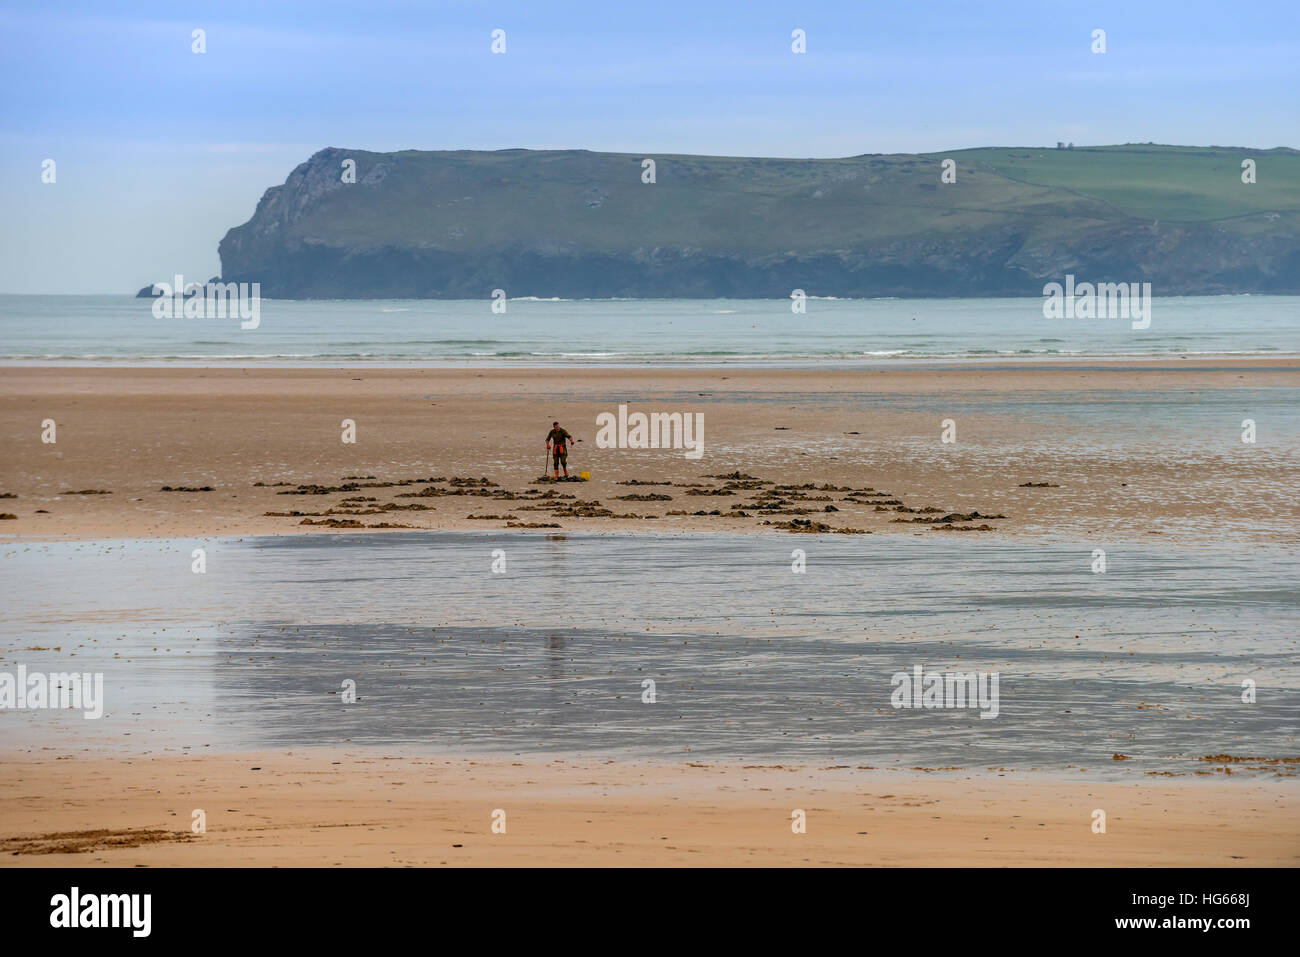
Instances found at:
x=585 y=476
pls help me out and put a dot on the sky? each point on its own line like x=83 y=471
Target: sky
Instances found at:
x=159 y=150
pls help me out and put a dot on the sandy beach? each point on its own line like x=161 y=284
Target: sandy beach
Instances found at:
x=336 y=808
x=221 y=685
x=1131 y=448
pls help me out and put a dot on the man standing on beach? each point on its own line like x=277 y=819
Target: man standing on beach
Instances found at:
x=557 y=441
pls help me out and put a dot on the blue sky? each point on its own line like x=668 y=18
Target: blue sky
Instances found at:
x=159 y=150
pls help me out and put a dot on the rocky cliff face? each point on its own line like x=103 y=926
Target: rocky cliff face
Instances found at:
x=576 y=224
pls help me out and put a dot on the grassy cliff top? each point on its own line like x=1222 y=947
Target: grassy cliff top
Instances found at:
x=470 y=199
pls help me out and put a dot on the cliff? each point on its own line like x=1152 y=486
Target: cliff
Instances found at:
x=579 y=224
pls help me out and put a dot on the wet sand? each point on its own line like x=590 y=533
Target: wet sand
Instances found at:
x=1123 y=448
x=750 y=660
x=371 y=808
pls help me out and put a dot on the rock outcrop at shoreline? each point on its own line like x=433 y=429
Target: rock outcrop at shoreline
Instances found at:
x=578 y=224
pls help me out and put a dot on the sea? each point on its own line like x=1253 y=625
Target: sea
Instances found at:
x=120 y=329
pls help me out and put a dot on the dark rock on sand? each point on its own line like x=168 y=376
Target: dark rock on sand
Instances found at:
x=803 y=525
x=319 y=489
x=951 y=518
x=578 y=510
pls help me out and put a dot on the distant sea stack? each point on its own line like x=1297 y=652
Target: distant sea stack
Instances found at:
x=351 y=224
x=153 y=290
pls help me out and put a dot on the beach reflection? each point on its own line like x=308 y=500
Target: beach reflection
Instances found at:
x=749 y=660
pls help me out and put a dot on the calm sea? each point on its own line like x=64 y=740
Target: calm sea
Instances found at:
x=121 y=329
